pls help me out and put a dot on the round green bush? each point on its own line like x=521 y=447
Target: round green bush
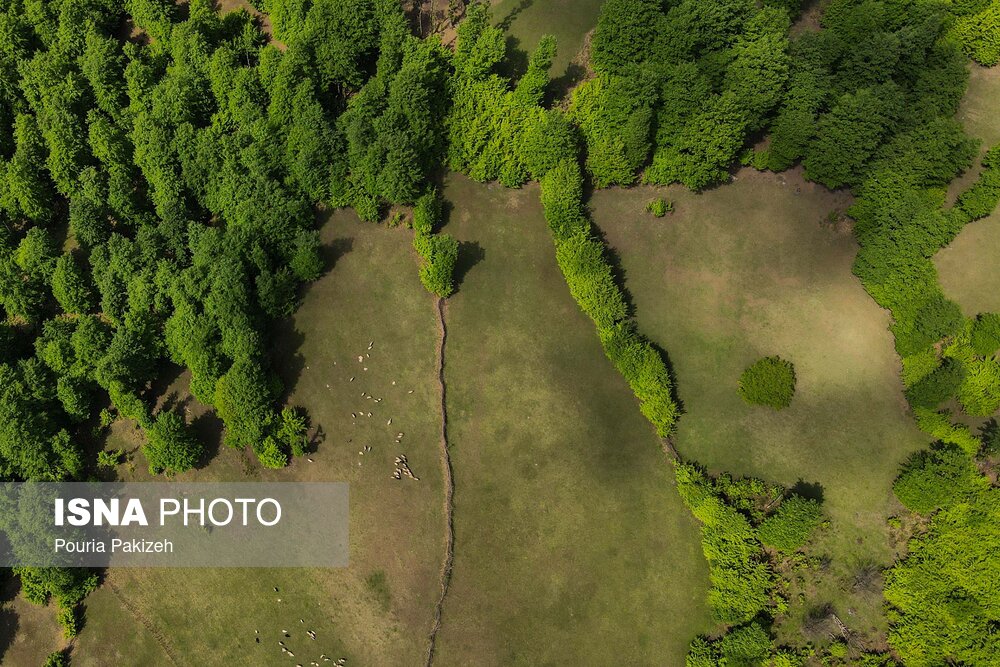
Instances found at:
x=660 y=207
x=791 y=525
x=769 y=381
x=935 y=478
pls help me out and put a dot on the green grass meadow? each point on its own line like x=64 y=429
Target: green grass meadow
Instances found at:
x=758 y=268
x=371 y=294
x=572 y=546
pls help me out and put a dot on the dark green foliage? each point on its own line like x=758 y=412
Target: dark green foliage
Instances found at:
x=57 y=659
x=439 y=253
x=171 y=446
x=986 y=334
x=938 y=386
x=625 y=35
x=847 y=137
x=243 y=399
x=980 y=200
x=791 y=525
x=70 y=285
x=936 y=478
x=548 y=139
x=562 y=197
x=768 y=381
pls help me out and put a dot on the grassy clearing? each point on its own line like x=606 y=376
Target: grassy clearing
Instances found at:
x=572 y=546
x=371 y=294
x=967 y=267
x=752 y=269
x=568 y=20
x=29 y=633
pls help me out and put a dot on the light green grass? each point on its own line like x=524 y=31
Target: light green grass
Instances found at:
x=572 y=545
x=968 y=266
x=209 y=616
x=752 y=269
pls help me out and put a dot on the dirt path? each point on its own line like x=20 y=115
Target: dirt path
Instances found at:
x=449 y=485
x=146 y=623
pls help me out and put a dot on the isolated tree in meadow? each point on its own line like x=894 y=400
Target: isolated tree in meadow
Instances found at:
x=768 y=381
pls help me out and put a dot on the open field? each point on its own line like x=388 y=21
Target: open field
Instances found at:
x=567 y=20
x=968 y=267
x=572 y=546
x=208 y=617
x=752 y=269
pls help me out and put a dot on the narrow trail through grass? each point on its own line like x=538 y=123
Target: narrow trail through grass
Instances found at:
x=144 y=621
x=449 y=482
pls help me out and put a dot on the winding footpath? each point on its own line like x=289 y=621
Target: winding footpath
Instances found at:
x=449 y=486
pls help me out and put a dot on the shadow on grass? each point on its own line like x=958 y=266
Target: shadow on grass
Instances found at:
x=8 y=629
x=808 y=490
x=470 y=253
x=560 y=86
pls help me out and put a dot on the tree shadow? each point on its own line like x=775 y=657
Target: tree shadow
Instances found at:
x=560 y=86
x=515 y=62
x=8 y=630
x=512 y=15
x=333 y=251
x=470 y=253
x=285 y=358
x=808 y=490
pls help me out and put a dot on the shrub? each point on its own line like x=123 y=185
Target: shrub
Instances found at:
x=933 y=479
x=440 y=254
x=791 y=525
x=426 y=213
x=980 y=199
x=979 y=35
x=171 y=446
x=990 y=435
x=986 y=334
x=57 y=659
x=660 y=207
x=746 y=646
x=69 y=619
x=938 y=425
x=270 y=453
x=109 y=458
x=738 y=571
x=937 y=386
x=769 y=381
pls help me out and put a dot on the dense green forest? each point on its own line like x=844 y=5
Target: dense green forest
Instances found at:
x=163 y=164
